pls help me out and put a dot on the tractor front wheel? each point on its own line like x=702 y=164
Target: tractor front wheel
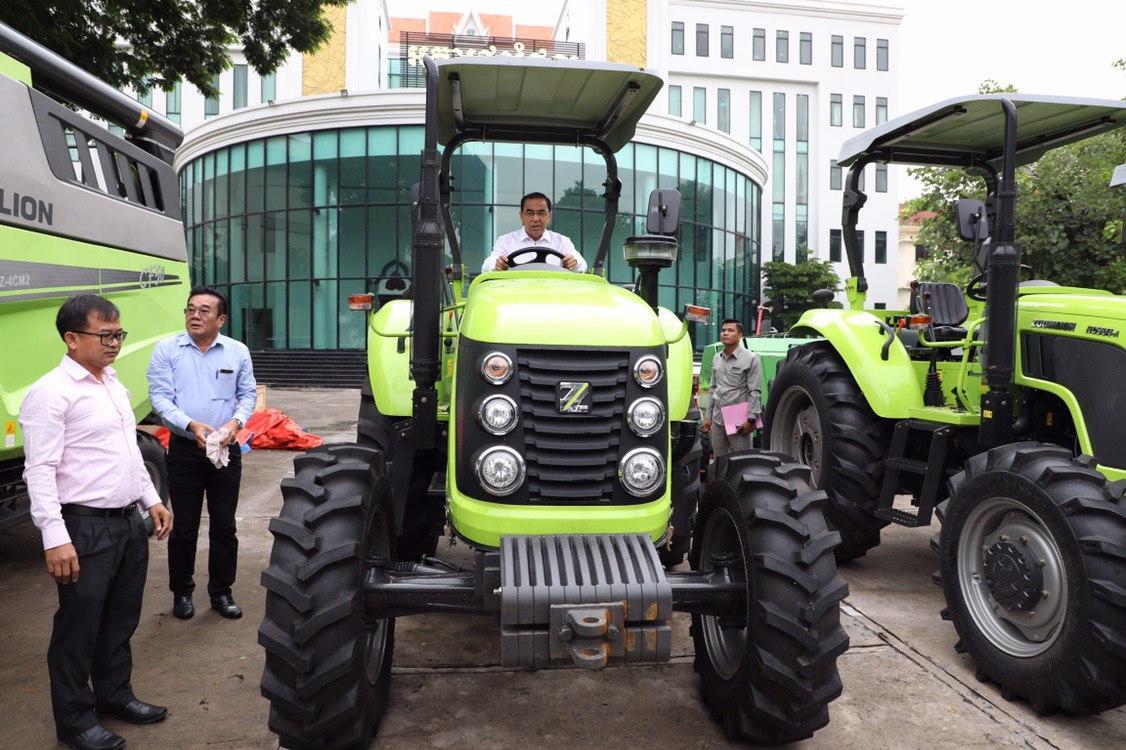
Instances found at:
x=328 y=662
x=769 y=671
x=1032 y=566
x=817 y=414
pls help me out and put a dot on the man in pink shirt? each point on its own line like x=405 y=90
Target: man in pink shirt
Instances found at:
x=86 y=478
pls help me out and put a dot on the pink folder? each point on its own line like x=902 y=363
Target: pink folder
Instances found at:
x=734 y=415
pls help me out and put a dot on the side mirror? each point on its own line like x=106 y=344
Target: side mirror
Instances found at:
x=664 y=212
x=822 y=297
x=973 y=225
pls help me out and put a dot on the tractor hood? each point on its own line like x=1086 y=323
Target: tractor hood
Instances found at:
x=1069 y=302
x=556 y=308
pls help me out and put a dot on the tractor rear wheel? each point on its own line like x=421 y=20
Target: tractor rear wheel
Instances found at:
x=1033 y=569
x=328 y=662
x=769 y=671
x=817 y=414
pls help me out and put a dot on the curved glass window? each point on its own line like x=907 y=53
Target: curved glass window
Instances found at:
x=289 y=226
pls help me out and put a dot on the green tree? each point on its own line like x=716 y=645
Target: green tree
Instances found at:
x=792 y=286
x=1067 y=218
x=154 y=43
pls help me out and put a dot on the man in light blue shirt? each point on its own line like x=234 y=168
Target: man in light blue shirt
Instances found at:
x=202 y=382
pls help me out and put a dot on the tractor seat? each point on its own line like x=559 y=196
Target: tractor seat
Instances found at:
x=948 y=308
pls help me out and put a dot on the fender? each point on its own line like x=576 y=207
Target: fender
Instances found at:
x=389 y=354
x=892 y=387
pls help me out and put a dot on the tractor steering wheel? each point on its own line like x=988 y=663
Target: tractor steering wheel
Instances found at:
x=977 y=287
x=538 y=261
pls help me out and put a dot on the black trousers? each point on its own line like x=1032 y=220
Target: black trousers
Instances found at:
x=191 y=475
x=96 y=618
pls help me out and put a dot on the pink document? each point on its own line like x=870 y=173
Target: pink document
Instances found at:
x=734 y=416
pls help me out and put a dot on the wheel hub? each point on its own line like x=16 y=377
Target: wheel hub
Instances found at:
x=1013 y=576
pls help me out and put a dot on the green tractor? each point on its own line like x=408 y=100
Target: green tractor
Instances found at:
x=544 y=417
x=81 y=211
x=1001 y=408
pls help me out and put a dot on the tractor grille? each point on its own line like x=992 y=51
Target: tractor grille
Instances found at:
x=571 y=457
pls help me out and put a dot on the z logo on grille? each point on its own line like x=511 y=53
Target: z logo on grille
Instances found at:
x=574 y=398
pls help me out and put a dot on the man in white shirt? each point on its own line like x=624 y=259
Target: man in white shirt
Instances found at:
x=86 y=479
x=535 y=216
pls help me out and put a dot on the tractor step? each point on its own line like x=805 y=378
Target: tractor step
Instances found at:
x=933 y=471
x=587 y=600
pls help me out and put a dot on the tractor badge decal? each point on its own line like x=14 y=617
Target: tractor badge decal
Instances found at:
x=573 y=398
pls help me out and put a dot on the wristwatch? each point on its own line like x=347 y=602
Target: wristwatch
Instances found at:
x=237 y=421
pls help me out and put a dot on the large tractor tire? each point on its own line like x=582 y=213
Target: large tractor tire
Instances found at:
x=817 y=414
x=1032 y=563
x=328 y=664
x=374 y=430
x=152 y=453
x=687 y=455
x=769 y=673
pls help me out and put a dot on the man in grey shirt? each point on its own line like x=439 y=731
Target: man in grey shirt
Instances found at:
x=736 y=377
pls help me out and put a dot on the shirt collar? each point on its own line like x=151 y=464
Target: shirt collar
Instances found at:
x=545 y=237
x=185 y=339
x=78 y=372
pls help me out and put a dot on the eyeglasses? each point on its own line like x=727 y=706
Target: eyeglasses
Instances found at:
x=530 y=213
x=107 y=339
x=203 y=311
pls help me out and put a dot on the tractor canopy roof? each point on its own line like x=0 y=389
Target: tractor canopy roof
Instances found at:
x=540 y=100
x=970 y=131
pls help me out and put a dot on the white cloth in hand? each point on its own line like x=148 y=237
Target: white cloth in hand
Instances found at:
x=219 y=454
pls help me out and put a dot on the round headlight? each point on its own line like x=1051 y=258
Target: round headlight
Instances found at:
x=497 y=415
x=496 y=367
x=645 y=416
x=647 y=371
x=500 y=470
x=641 y=471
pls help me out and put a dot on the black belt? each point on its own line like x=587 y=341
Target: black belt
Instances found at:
x=85 y=510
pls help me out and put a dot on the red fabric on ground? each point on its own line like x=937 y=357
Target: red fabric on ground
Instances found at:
x=273 y=429
x=163 y=434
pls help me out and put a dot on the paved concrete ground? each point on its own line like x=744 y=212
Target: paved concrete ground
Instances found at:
x=904 y=685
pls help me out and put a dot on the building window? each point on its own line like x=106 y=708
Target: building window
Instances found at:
x=723 y=110
x=678 y=37
x=805 y=48
x=881 y=110
x=674 y=101
x=727 y=41
x=801 y=178
x=269 y=88
x=835 y=245
x=859 y=53
x=922 y=252
x=778 y=178
x=881 y=178
x=144 y=97
x=701 y=40
x=700 y=105
x=860 y=243
x=857 y=111
x=758 y=44
x=211 y=103
x=860 y=180
x=834 y=175
x=835 y=110
x=172 y=103
x=782 y=46
x=756 y=121
x=881 y=247
x=880 y=306
x=239 y=87
x=836 y=50
x=881 y=54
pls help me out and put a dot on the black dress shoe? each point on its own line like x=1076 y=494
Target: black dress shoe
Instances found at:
x=96 y=737
x=182 y=607
x=226 y=606
x=134 y=712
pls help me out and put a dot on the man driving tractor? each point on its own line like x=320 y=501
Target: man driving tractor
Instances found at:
x=535 y=216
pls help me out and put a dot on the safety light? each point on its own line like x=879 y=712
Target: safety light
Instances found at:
x=497 y=415
x=641 y=471
x=647 y=371
x=500 y=470
x=645 y=416
x=496 y=367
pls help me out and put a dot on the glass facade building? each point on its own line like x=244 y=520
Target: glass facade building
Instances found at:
x=290 y=225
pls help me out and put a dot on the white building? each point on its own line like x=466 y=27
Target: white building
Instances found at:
x=792 y=80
